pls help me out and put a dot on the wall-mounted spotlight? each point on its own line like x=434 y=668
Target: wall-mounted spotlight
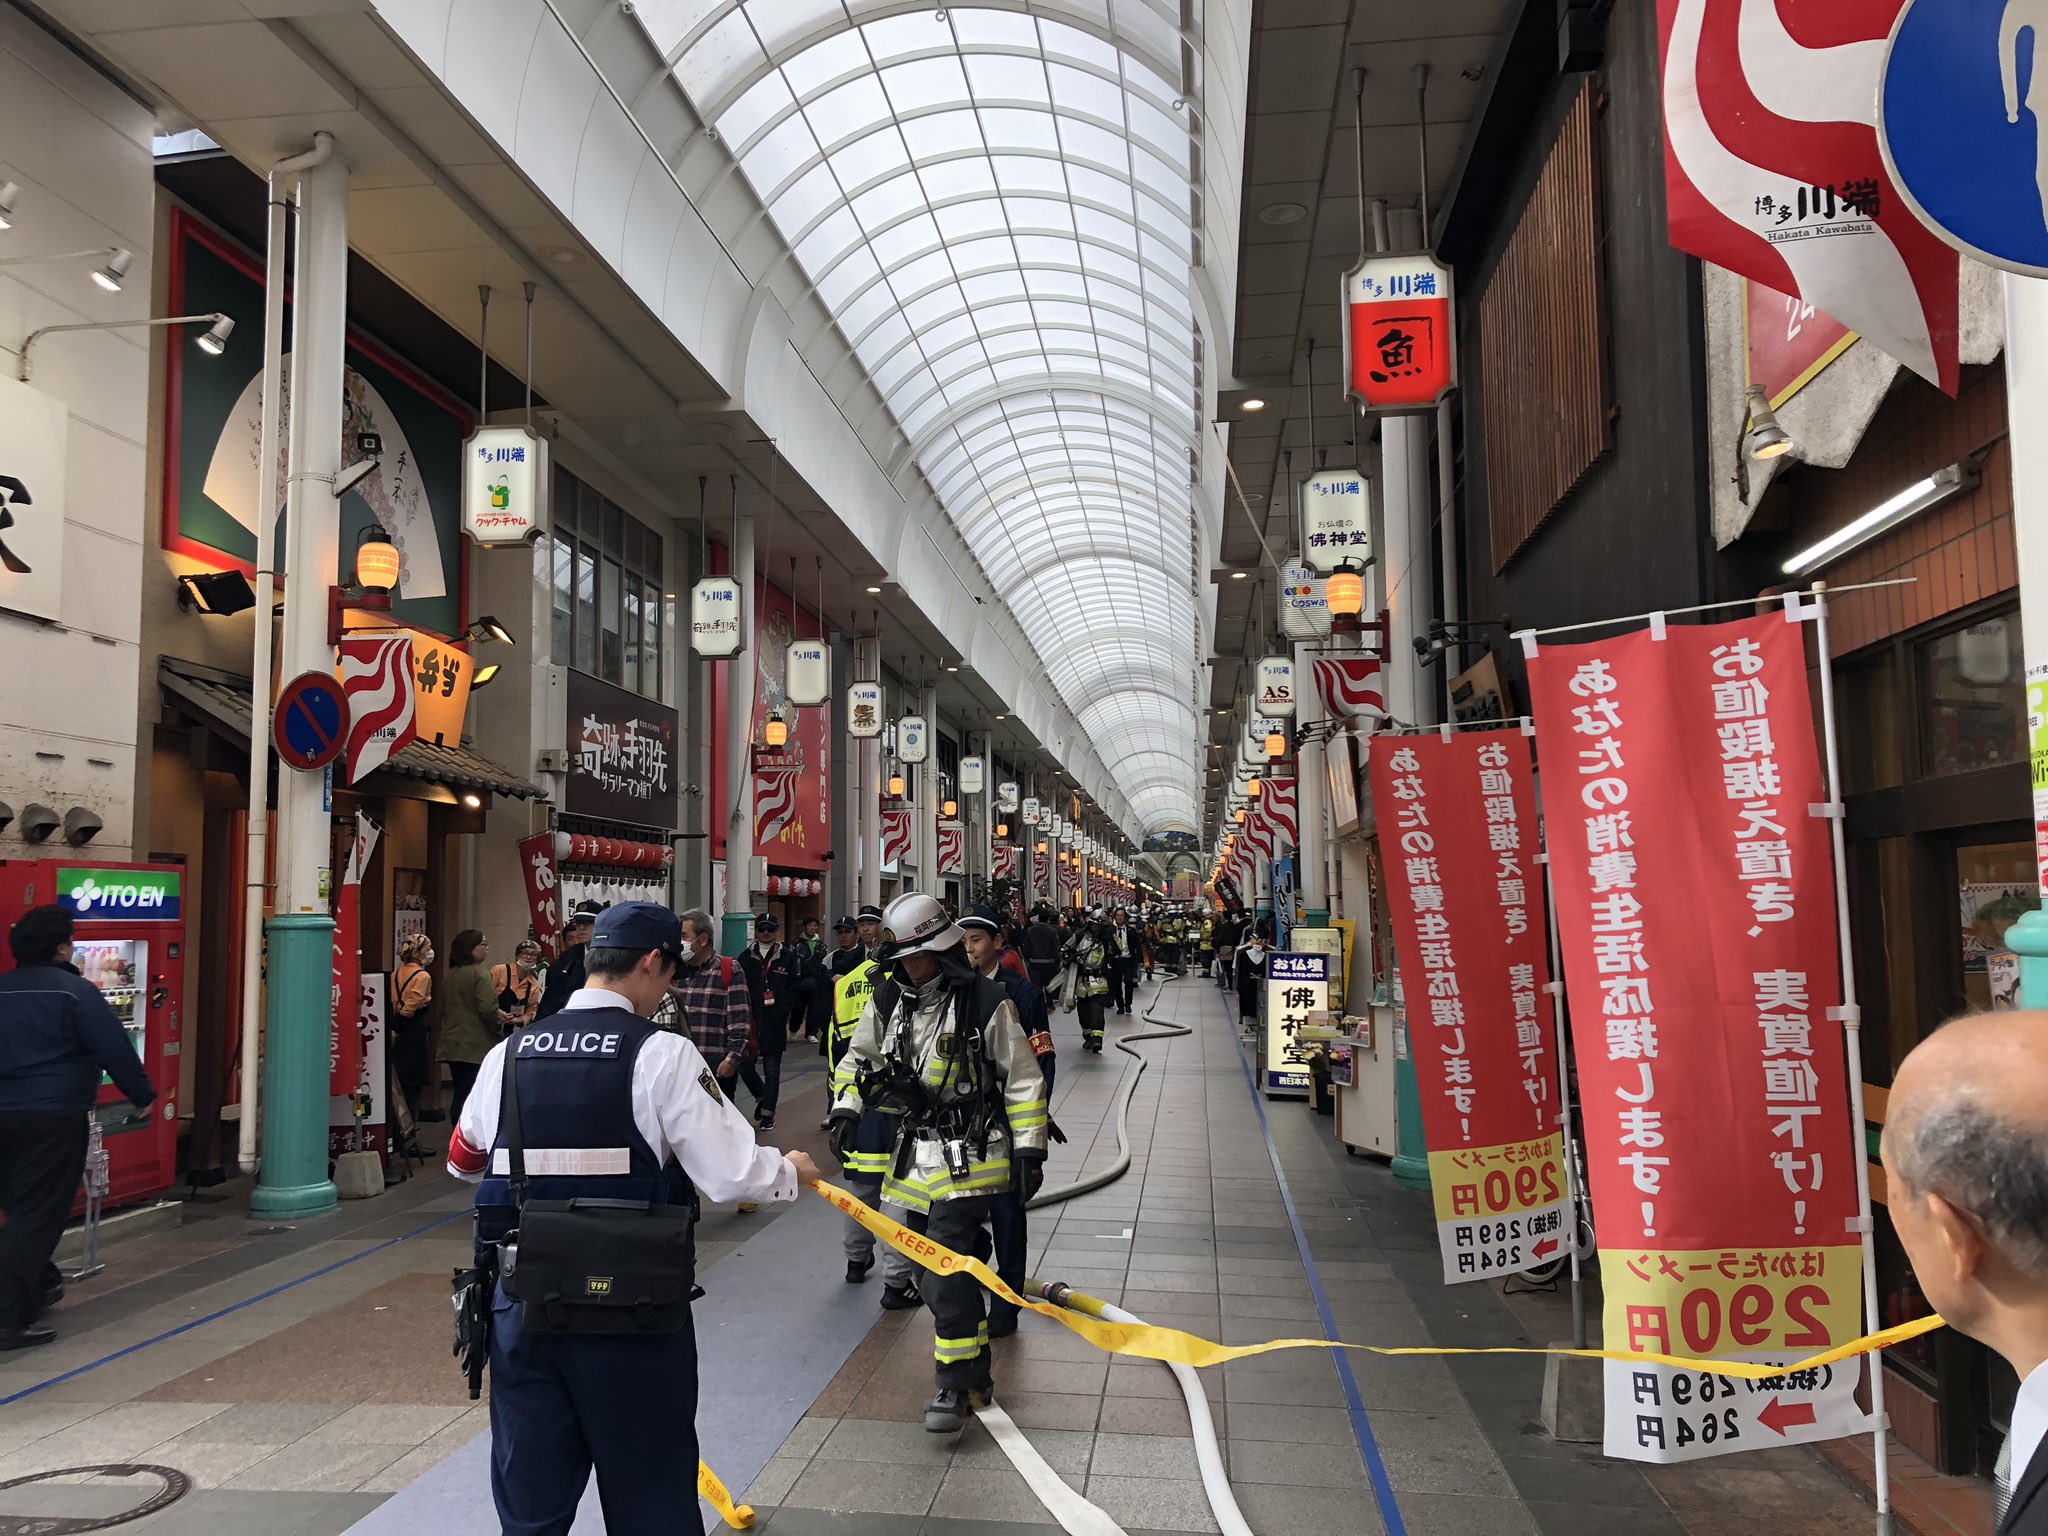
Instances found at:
x=215 y=593
x=487 y=627
x=484 y=677
x=113 y=272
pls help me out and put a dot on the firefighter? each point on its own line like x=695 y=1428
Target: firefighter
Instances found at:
x=941 y=1049
x=1089 y=950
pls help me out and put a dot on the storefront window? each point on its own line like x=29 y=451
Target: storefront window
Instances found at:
x=1995 y=883
x=1976 y=708
x=606 y=574
x=1867 y=707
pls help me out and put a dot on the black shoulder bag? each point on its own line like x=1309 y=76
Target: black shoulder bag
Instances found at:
x=590 y=1265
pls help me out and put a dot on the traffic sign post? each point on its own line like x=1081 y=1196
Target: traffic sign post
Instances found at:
x=1969 y=150
x=310 y=723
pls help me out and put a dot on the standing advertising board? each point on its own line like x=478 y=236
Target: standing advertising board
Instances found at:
x=1695 y=910
x=1297 y=985
x=1465 y=894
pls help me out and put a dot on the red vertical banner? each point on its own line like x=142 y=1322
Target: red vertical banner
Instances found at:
x=1682 y=792
x=543 y=900
x=1457 y=819
x=344 y=1043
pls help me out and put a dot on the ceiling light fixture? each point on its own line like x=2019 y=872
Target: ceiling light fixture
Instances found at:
x=1943 y=485
x=1282 y=213
x=215 y=340
x=1253 y=403
x=1236 y=576
x=114 y=271
x=561 y=255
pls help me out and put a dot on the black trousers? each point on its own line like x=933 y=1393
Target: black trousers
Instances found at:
x=1042 y=972
x=1090 y=1010
x=42 y=1155
x=1123 y=982
x=959 y=1320
x=762 y=1078
x=1006 y=1223
x=461 y=1078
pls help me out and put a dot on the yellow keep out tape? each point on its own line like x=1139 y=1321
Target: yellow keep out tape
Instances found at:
x=739 y=1516
x=1177 y=1348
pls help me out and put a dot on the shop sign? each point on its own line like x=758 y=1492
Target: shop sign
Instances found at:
x=621 y=754
x=1006 y=797
x=1304 y=609
x=1276 y=687
x=441 y=674
x=504 y=485
x=864 y=711
x=716 y=615
x=34 y=433
x=367 y=1018
x=1787 y=342
x=543 y=898
x=1399 y=343
x=913 y=739
x=1465 y=895
x=1030 y=813
x=807 y=678
x=120 y=895
x=971 y=777
x=1297 y=985
x=1336 y=519
x=1696 y=920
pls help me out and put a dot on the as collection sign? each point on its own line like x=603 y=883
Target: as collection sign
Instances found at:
x=716 y=613
x=1276 y=687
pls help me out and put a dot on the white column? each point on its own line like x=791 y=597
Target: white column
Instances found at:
x=312 y=515
x=867 y=668
x=1408 y=544
x=927 y=803
x=738 y=811
x=1311 y=839
x=1028 y=861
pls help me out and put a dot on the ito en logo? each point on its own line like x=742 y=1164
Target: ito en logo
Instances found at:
x=84 y=894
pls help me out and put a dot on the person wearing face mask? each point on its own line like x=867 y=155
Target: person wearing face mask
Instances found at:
x=519 y=984
x=410 y=1034
x=942 y=1049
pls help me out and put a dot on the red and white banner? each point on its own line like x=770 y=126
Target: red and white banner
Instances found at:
x=775 y=795
x=952 y=848
x=377 y=682
x=895 y=836
x=1772 y=168
x=344 y=1041
x=543 y=900
x=1349 y=686
x=1005 y=862
x=1695 y=905
x=1465 y=893
x=1278 y=802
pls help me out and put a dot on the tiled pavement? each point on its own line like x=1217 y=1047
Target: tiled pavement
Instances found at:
x=302 y=1412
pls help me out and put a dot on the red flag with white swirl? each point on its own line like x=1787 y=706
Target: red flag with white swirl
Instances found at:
x=1772 y=168
x=1005 y=862
x=1279 y=800
x=377 y=684
x=774 y=802
x=952 y=848
x=895 y=836
x=1349 y=686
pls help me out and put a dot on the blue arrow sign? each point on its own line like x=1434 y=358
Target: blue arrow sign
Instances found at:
x=1962 y=116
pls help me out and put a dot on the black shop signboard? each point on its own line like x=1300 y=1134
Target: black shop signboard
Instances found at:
x=622 y=753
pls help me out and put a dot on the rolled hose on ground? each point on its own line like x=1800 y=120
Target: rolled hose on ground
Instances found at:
x=1208 y=1454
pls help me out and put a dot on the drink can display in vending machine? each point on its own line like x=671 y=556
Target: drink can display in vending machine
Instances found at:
x=129 y=942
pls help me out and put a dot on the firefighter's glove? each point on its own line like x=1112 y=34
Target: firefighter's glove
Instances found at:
x=845 y=1127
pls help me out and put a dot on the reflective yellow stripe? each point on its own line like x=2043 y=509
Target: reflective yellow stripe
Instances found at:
x=959 y=1351
x=1028 y=1122
x=1026 y=1107
x=867 y=1162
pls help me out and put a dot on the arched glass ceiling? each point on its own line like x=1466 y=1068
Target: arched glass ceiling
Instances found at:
x=998 y=209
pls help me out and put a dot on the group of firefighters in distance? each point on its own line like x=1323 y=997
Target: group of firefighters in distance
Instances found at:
x=942 y=1067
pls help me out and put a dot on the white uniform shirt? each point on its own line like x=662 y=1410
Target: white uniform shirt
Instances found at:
x=674 y=1110
x=2029 y=1421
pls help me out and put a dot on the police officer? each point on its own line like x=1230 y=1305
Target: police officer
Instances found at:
x=943 y=1048
x=610 y=1108
x=984 y=946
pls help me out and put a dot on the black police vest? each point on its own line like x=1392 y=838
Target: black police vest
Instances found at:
x=576 y=1121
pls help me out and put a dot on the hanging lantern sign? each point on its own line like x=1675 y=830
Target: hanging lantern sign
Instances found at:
x=1276 y=687
x=504 y=485
x=716 y=617
x=1336 y=519
x=913 y=739
x=1399 y=352
x=1006 y=797
x=808 y=678
x=864 y=710
x=1030 y=813
x=971 y=777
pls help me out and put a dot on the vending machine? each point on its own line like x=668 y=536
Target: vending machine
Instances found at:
x=130 y=943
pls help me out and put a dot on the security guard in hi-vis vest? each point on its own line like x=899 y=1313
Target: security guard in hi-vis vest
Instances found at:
x=940 y=1049
x=593 y=1355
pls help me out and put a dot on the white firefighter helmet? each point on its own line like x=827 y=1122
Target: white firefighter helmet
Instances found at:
x=915 y=923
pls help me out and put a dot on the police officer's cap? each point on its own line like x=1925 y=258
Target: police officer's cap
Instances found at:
x=982 y=918
x=870 y=913
x=639 y=925
x=844 y=925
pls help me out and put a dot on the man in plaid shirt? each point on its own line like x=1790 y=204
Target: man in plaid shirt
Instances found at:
x=712 y=993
